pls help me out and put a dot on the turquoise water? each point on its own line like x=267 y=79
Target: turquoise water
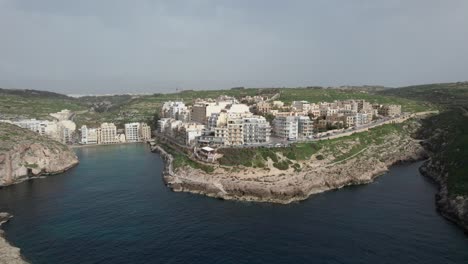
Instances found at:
x=114 y=208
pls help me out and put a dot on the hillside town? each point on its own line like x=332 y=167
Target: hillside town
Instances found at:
x=64 y=130
x=224 y=122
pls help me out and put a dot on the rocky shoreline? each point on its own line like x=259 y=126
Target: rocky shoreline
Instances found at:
x=286 y=186
x=8 y=253
x=453 y=208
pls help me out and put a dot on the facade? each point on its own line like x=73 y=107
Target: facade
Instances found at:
x=286 y=127
x=145 y=132
x=263 y=107
x=132 y=132
x=389 y=110
x=176 y=110
x=256 y=130
x=305 y=127
x=300 y=106
x=89 y=135
x=202 y=110
x=108 y=134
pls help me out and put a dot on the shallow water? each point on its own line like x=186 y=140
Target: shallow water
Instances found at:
x=114 y=208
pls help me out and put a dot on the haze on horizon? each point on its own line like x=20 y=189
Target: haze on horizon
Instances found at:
x=118 y=46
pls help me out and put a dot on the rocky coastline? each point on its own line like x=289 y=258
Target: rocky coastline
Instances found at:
x=25 y=155
x=276 y=186
x=452 y=207
x=8 y=253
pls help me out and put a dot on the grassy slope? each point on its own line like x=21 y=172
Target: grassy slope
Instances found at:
x=124 y=108
x=34 y=104
x=338 y=149
x=329 y=95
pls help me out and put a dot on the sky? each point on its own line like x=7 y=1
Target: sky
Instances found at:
x=143 y=46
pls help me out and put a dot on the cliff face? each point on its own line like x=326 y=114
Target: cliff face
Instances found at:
x=24 y=155
x=285 y=186
x=452 y=207
x=447 y=144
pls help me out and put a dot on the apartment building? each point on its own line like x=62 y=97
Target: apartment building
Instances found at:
x=286 y=127
x=89 y=135
x=145 y=132
x=176 y=110
x=107 y=134
x=202 y=110
x=305 y=127
x=137 y=132
x=263 y=107
x=256 y=130
x=389 y=110
x=300 y=106
x=132 y=132
x=187 y=133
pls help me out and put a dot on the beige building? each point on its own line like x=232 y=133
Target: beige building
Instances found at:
x=263 y=107
x=202 y=110
x=389 y=110
x=108 y=134
x=145 y=132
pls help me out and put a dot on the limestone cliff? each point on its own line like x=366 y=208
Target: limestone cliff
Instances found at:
x=25 y=154
x=315 y=175
x=8 y=253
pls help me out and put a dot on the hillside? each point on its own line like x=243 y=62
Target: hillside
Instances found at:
x=119 y=109
x=446 y=137
x=34 y=104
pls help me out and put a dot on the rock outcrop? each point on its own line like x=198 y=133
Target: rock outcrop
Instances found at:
x=8 y=253
x=286 y=186
x=25 y=155
x=452 y=207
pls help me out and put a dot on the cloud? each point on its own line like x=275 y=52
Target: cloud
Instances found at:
x=116 y=46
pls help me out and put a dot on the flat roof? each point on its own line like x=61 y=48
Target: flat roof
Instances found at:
x=208 y=149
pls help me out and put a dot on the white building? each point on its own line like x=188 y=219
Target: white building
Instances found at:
x=244 y=131
x=137 y=132
x=176 y=110
x=132 y=132
x=286 y=127
x=89 y=135
x=256 y=130
x=300 y=106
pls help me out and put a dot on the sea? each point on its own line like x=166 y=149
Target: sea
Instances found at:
x=114 y=208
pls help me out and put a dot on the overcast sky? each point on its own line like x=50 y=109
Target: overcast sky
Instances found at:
x=115 y=46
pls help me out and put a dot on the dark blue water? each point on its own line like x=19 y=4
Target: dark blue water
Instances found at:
x=114 y=208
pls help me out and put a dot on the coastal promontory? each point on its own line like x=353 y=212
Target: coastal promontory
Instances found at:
x=284 y=175
x=25 y=155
